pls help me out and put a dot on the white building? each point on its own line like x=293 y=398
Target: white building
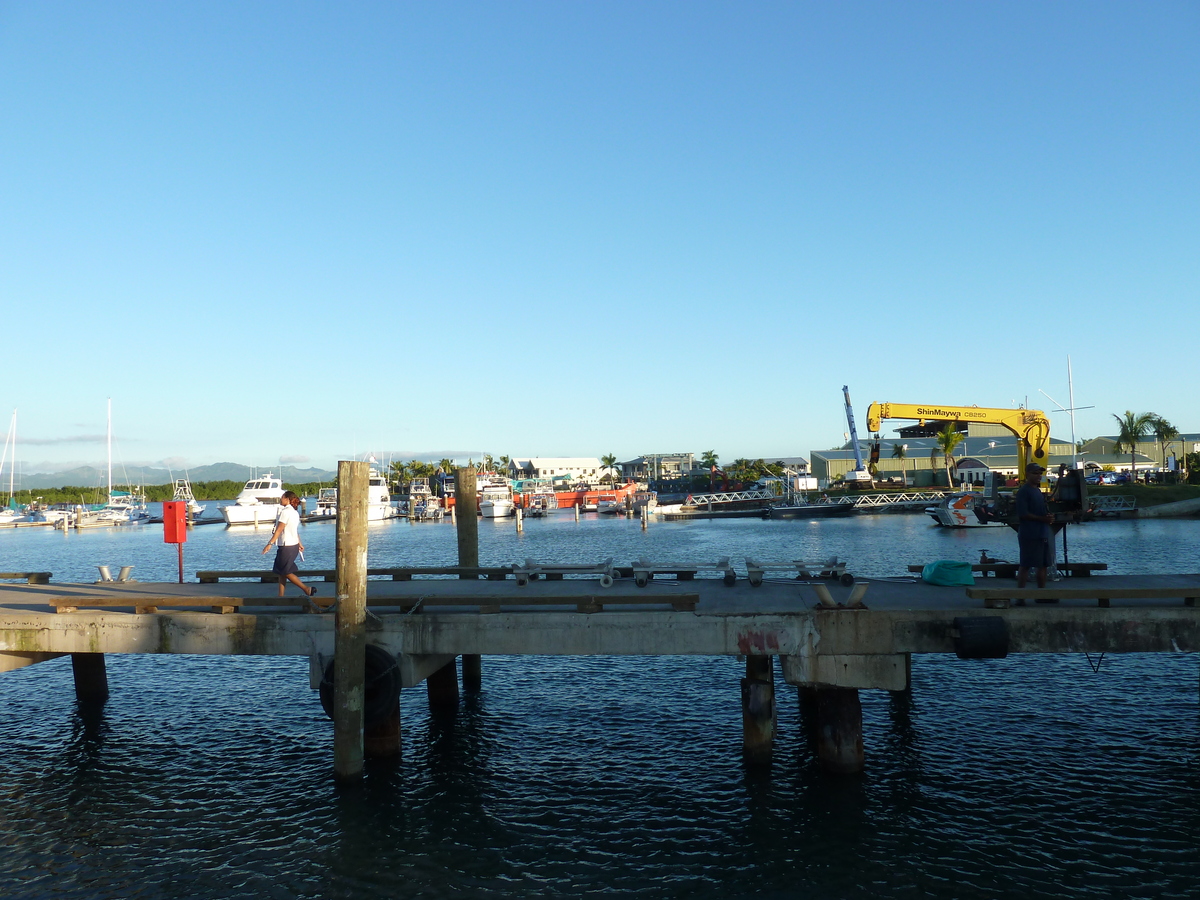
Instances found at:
x=574 y=468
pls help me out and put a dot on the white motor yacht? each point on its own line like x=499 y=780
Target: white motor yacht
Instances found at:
x=495 y=497
x=257 y=504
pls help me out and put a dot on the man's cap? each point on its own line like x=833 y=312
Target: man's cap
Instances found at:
x=1034 y=469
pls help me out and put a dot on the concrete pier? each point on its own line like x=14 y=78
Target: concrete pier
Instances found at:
x=830 y=652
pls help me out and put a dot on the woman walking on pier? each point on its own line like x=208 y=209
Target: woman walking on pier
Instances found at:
x=287 y=536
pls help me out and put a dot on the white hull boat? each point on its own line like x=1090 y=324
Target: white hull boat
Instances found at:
x=379 y=501
x=257 y=504
x=496 y=497
x=958 y=511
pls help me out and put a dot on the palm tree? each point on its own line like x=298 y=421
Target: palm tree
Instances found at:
x=947 y=439
x=399 y=473
x=900 y=452
x=1164 y=433
x=708 y=459
x=609 y=461
x=1133 y=427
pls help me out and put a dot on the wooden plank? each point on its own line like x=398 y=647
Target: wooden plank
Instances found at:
x=147 y=604
x=29 y=577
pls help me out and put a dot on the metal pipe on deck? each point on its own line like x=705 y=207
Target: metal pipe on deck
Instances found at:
x=350 y=621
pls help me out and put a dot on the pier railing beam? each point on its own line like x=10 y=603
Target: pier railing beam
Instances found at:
x=350 y=621
x=91 y=677
x=758 y=710
x=839 y=730
x=466 y=493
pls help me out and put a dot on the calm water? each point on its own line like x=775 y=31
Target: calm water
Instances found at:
x=206 y=777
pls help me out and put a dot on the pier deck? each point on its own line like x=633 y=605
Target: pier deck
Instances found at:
x=435 y=619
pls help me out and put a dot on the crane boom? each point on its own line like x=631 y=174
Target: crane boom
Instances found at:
x=860 y=472
x=1030 y=426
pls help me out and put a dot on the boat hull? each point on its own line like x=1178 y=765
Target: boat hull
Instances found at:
x=812 y=511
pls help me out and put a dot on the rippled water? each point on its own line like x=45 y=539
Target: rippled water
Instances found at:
x=210 y=777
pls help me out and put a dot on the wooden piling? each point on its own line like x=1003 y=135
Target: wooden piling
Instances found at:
x=350 y=631
x=465 y=495
x=758 y=710
x=465 y=491
x=839 y=730
x=91 y=677
x=520 y=528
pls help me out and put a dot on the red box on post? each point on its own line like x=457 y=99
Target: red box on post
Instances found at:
x=175 y=522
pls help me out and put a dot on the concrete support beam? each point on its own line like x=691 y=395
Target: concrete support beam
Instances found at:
x=91 y=677
x=416 y=667
x=888 y=672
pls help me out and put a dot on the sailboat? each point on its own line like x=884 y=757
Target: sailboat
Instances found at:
x=11 y=514
x=123 y=507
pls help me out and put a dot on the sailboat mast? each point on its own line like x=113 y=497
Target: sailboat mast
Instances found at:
x=110 y=448
x=1071 y=400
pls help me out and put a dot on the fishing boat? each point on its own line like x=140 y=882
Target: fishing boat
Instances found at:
x=608 y=503
x=541 y=504
x=182 y=491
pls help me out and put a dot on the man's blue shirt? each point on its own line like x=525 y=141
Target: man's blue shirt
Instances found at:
x=1031 y=501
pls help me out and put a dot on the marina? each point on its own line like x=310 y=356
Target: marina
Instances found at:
x=575 y=629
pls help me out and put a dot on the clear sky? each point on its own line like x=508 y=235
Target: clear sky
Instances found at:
x=303 y=231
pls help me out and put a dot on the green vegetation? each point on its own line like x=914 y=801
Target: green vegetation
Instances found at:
x=203 y=490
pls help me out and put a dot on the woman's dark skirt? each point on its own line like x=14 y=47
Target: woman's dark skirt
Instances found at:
x=285 y=560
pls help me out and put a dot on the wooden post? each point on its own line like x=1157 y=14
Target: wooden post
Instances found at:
x=839 y=730
x=518 y=517
x=465 y=492
x=465 y=495
x=472 y=673
x=91 y=677
x=758 y=709
x=350 y=620
x=577 y=510
x=443 y=689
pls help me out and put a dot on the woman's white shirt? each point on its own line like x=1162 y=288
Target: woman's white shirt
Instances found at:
x=290 y=519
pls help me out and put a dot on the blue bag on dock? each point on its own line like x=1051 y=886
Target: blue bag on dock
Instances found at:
x=948 y=572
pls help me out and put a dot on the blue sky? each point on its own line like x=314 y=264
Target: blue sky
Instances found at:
x=303 y=231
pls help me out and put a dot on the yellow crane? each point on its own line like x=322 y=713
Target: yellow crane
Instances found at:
x=1031 y=427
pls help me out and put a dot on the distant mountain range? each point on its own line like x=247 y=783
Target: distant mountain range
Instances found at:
x=90 y=476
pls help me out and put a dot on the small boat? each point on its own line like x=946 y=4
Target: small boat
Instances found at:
x=541 y=504
x=647 y=500
x=961 y=510
x=608 y=503
x=379 y=501
x=122 y=508
x=496 y=497
x=182 y=490
x=823 y=509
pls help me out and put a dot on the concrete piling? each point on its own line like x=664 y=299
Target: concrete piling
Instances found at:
x=91 y=677
x=443 y=689
x=472 y=673
x=758 y=709
x=382 y=739
x=350 y=632
x=839 y=730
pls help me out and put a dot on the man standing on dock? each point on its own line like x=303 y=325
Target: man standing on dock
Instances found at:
x=1033 y=529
